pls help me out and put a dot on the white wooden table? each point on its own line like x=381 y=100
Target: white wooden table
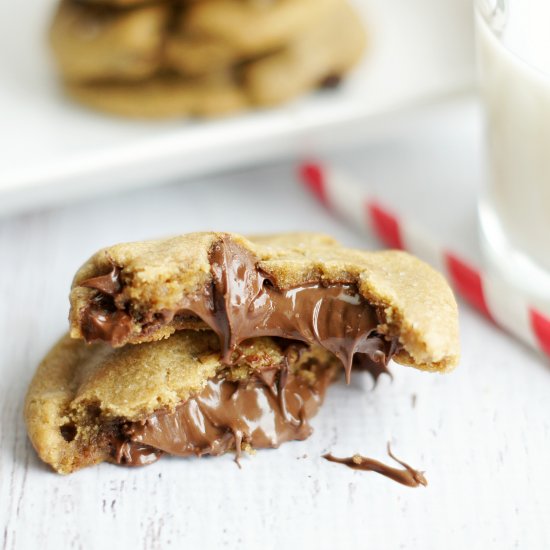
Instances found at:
x=482 y=434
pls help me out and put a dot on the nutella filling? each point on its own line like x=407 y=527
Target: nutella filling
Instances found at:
x=103 y=320
x=242 y=303
x=264 y=411
x=408 y=476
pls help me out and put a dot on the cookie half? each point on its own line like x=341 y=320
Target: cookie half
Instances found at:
x=301 y=287
x=92 y=403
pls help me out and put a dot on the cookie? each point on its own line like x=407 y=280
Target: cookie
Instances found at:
x=96 y=43
x=197 y=46
x=91 y=403
x=191 y=55
x=163 y=97
x=325 y=52
x=164 y=60
x=301 y=287
x=253 y=27
x=116 y=3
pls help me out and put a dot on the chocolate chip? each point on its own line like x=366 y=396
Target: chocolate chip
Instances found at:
x=68 y=432
x=330 y=82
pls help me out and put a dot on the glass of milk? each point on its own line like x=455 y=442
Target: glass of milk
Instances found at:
x=513 y=41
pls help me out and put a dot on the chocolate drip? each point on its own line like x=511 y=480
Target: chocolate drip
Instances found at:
x=242 y=303
x=134 y=454
x=263 y=411
x=376 y=364
x=108 y=284
x=408 y=476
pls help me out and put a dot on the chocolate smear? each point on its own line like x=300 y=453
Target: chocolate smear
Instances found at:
x=263 y=412
x=408 y=476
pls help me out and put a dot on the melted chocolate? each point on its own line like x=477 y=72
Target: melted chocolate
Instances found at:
x=408 y=476
x=108 y=284
x=331 y=82
x=104 y=319
x=270 y=408
x=244 y=303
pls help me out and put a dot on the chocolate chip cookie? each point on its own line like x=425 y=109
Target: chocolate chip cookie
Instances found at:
x=299 y=286
x=93 y=403
x=201 y=58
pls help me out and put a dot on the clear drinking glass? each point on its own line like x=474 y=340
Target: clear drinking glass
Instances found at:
x=513 y=44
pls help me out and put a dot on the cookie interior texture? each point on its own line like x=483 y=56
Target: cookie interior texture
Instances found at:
x=163 y=59
x=137 y=292
x=93 y=403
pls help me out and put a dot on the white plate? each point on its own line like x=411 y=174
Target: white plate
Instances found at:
x=53 y=150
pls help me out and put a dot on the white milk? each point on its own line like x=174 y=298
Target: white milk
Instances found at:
x=515 y=82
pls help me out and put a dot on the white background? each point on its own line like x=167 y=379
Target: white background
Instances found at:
x=482 y=433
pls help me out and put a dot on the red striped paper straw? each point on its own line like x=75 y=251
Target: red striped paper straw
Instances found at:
x=496 y=299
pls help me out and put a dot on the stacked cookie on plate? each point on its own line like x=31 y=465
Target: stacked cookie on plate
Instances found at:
x=211 y=342
x=166 y=58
